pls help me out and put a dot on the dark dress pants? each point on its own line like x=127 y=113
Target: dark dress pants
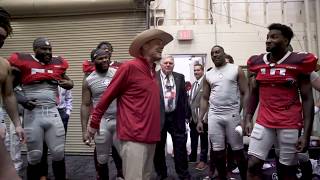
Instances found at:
x=179 y=140
x=194 y=136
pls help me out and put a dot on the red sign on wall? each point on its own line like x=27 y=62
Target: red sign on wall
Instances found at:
x=185 y=35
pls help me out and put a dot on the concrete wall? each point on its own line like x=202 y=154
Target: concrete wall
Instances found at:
x=240 y=27
x=240 y=41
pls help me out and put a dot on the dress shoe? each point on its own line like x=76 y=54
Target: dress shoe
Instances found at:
x=201 y=166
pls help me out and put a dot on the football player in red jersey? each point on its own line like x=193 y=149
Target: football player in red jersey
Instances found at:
x=7 y=170
x=39 y=76
x=279 y=79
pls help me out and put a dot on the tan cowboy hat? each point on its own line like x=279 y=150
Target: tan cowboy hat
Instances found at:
x=146 y=36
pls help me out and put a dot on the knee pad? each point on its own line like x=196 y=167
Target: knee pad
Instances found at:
x=34 y=157
x=100 y=138
x=60 y=130
x=102 y=158
x=58 y=153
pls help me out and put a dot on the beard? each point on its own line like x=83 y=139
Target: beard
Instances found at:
x=269 y=49
x=101 y=69
x=45 y=58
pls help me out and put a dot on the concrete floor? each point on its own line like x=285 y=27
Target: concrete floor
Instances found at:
x=82 y=168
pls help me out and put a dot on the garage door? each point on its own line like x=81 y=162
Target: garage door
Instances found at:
x=73 y=37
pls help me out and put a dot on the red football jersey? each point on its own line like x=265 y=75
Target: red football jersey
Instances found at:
x=32 y=70
x=280 y=105
x=88 y=66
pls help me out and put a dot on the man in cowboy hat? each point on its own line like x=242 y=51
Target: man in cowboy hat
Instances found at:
x=138 y=119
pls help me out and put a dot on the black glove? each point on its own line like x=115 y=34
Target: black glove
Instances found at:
x=24 y=101
x=29 y=104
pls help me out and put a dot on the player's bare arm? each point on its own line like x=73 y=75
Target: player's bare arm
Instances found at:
x=308 y=111
x=252 y=103
x=9 y=99
x=244 y=90
x=85 y=110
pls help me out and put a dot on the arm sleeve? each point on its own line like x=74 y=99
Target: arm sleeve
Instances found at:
x=308 y=64
x=14 y=61
x=250 y=64
x=68 y=100
x=65 y=63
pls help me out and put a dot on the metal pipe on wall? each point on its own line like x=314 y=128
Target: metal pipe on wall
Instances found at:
x=171 y=13
x=186 y=12
x=27 y=8
x=210 y=11
x=318 y=25
x=247 y=11
x=213 y=22
x=264 y=11
x=201 y=11
x=282 y=12
x=308 y=26
x=147 y=5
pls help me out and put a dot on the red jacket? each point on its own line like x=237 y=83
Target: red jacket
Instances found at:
x=138 y=102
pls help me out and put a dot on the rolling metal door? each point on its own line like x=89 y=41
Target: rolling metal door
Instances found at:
x=73 y=37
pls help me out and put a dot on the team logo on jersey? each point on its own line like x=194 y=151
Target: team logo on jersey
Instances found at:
x=281 y=71
x=274 y=71
x=36 y=70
